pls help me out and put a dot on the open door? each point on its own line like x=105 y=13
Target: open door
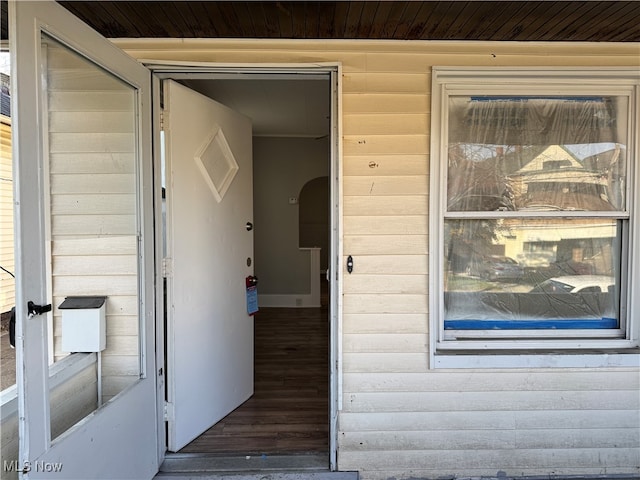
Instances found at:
x=210 y=253
x=82 y=108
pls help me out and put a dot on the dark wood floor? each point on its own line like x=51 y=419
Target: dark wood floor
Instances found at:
x=288 y=413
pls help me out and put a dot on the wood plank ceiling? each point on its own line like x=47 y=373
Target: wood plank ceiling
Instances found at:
x=573 y=21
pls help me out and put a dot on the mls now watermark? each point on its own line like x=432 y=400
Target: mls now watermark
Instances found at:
x=26 y=467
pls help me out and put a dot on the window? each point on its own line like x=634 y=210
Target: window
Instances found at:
x=533 y=188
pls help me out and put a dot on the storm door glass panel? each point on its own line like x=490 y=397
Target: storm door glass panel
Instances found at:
x=93 y=230
x=536 y=213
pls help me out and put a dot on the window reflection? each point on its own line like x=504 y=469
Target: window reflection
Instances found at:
x=496 y=269
x=93 y=225
x=536 y=154
x=528 y=155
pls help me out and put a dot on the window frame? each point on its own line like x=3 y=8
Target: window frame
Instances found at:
x=533 y=81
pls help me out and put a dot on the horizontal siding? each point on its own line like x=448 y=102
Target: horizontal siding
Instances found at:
x=481 y=401
x=500 y=440
x=490 y=421
x=396 y=362
x=76 y=183
x=113 y=245
x=391 y=264
x=93 y=224
x=7 y=283
x=382 y=104
x=380 y=283
x=385 y=244
x=93 y=204
x=123 y=366
x=91 y=142
x=73 y=400
x=381 y=323
x=386 y=82
x=70 y=100
x=80 y=78
x=114 y=384
x=400 y=419
x=386 y=225
x=385 y=123
x=385 y=144
x=374 y=165
x=116 y=325
x=384 y=205
x=387 y=342
x=512 y=381
x=95 y=265
x=92 y=163
x=90 y=122
x=398 y=303
x=378 y=185
x=475 y=462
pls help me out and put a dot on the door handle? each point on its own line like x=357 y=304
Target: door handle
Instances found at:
x=33 y=309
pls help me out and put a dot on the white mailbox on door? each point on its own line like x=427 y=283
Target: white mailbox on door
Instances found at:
x=84 y=327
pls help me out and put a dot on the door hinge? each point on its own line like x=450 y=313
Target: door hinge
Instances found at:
x=167 y=267
x=168 y=412
x=162 y=121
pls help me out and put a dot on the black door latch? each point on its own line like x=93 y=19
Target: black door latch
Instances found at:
x=33 y=309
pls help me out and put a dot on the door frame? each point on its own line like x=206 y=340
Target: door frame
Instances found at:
x=209 y=71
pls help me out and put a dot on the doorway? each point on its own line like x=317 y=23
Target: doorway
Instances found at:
x=290 y=410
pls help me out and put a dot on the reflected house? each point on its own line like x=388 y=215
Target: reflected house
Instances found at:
x=557 y=179
x=572 y=178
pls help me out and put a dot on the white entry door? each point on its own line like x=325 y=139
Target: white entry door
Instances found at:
x=210 y=253
x=84 y=211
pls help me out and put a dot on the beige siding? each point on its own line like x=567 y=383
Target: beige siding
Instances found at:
x=73 y=400
x=7 y=283
x=92 y=185
x=399 y=418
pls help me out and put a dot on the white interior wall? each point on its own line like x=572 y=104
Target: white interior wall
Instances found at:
x=281 y=167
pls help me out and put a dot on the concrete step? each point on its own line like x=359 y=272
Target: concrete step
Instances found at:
x=250 y=467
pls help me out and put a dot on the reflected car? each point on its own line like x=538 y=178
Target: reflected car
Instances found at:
x=576 y=284
x=497 y=267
